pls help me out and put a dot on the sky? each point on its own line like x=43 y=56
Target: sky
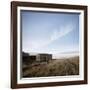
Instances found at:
x=44 y=32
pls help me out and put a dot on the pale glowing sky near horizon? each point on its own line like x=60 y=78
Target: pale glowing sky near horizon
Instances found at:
x=50 y=32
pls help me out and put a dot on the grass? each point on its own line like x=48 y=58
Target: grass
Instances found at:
x=61 y=67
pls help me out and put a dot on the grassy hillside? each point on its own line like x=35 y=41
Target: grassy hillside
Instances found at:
x=60 y=67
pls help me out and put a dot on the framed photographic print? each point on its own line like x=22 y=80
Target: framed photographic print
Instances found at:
x=48 y=44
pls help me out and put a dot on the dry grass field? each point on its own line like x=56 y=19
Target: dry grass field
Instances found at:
x=62 y=67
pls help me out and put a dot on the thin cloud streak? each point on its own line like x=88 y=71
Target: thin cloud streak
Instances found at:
x=63 y=31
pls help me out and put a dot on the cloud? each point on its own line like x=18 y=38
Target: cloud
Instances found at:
x=63 y=31
x=55 y=34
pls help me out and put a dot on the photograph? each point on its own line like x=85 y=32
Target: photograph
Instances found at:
x=50 y=43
